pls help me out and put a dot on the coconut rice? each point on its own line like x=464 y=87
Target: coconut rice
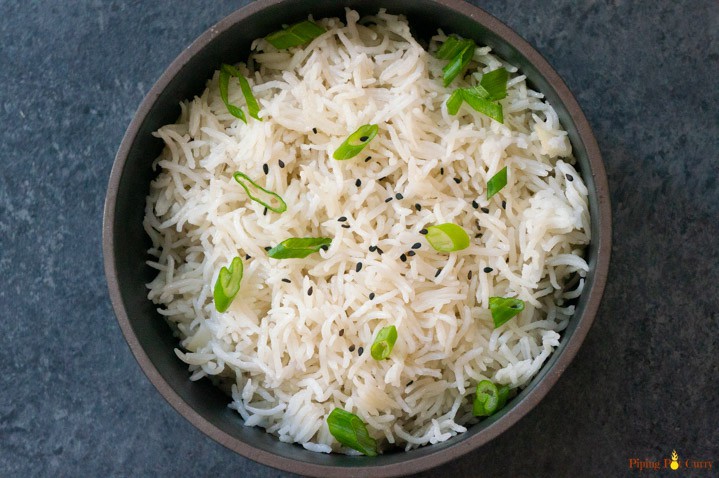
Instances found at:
x=295 y=342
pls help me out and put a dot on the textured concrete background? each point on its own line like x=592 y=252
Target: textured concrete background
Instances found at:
x=73 y=402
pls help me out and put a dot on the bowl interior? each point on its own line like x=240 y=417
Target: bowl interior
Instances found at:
x=125 y=242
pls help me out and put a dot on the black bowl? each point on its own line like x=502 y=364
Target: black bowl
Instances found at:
x=125 y=243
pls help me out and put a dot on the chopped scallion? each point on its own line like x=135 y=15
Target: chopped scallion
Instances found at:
x=486 y=400
x=484 y=96
x=298 y=247
x=497 y=182
x=384 y=342
x=295 y=35
x=226 y=72
x=504 y=308
x=447 y=237
x=356 y=142
x=452 y=47
x=458 y=64
x=494 y=83
x=455 y=101
x=228 y=284
x=483 y=105
x=350 y=430
x=280 y=205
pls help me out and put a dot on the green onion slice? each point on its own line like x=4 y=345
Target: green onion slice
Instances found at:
x=483 y=105
x=486 y=400
x=228 y=284
x=504 y=308
x=351 y=431
x=356 y=142
x=455 y=101
x=279 y=203
x=459 y=63
x=503 y=395
x=497 y=182
x=298 y=247
x=447 y=237
x=494 y=83
x=295 y=35
x=227 y=71
x=384 y=342
x=452 y=46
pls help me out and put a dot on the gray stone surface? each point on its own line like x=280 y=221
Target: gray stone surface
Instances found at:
x=73 y=402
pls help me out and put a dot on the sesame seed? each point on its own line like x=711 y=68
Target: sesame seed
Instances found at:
x=399 y=196
x=247 y=257
x=485 y=210
x=487 y=270
x=358 y=267
x=309 y=291
x=570 y=177
x=342 y=332
x=281 y=163
x=264 y=213
x=403 y=258
x=324 y=247
x=345 y=226
x=314 y=130
x=418 y=206
x=439 y=271
x=266 y=168
x=478 y=235
x=286 y=280
x=358 y=183
x=475 y=204
x=388 y=199
x=364 y=138
x=469 y=275
x=372 y=248
x=379 y=251
x=267 y=248
x=410 y=383
x=457 y=180
x=367 y=159
x=504 y=204
x=441 y=170
x=411 y=253
x=371 y=296
x=342 y=218
x=360 y=351
x=352 y=348
x=416 y=245
x=423 y=231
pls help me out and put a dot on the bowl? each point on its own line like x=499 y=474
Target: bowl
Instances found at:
x=125 y=243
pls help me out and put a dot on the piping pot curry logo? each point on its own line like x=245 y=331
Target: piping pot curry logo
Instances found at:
x=673 y=462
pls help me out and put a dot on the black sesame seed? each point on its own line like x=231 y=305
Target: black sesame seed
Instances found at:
x=478 y=235
x=281 y=163
x=309 y=291
x=423 y=231
x=264 y=213
x=358 y=183
x=342 y=218
x=371 y=296
x=504 y=204
x=411 y=253
x=367 y=159
x=441 y=170
x=267 y=248
x=439 y=271
x=570 y=177
x=364 y=138
x=475 y=204
x=487 y=270
x=352 y=348
x=247 y=257
x=485 y=210
x=287 y=280
x=403 y=258
x=372 y=248
x=388 y=199
x=358 y=267
x=457 y=180
x=341 y=332
x=360 y=351
x=380 y=251
x=418 y=206
x=469 y=275
x=325 y=247
x=416 y=245
x=345 y=226
x=399 y=196
x=314 y=130
x=266 y=168
x=410 y=383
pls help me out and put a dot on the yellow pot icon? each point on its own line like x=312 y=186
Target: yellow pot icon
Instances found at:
x=674 y=465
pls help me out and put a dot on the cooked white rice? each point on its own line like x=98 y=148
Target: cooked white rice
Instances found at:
x=282 y=349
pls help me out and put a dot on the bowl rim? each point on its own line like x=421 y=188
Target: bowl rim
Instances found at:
x=445 y=454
